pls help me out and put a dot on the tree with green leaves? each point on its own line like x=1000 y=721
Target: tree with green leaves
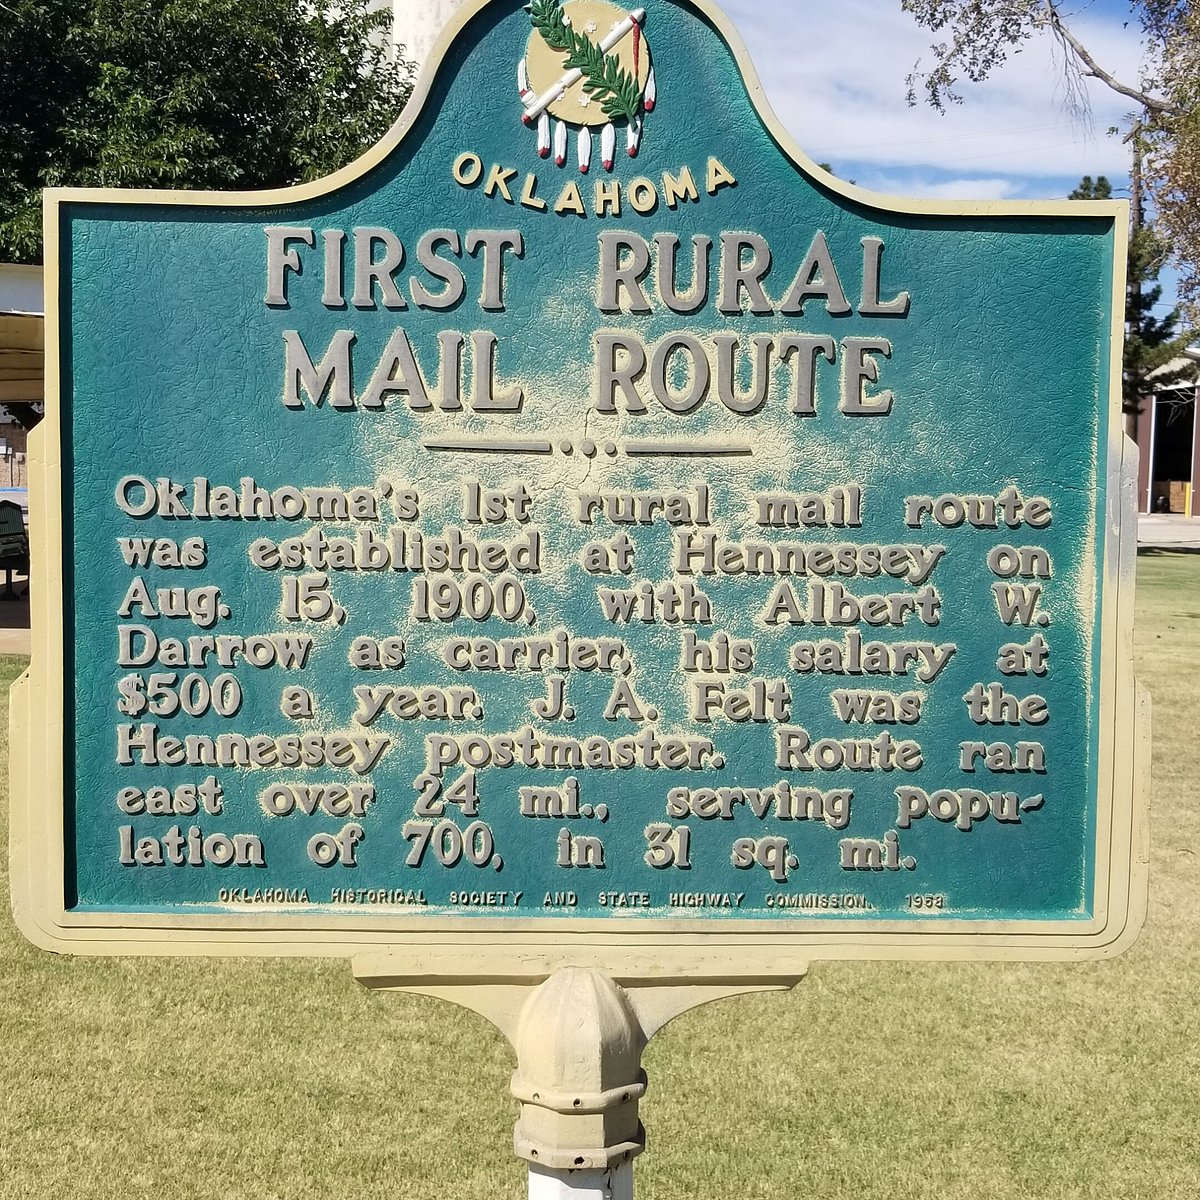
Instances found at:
x=974 y=38
x=1152 y=343
x=1092 y=189
x=205 y=94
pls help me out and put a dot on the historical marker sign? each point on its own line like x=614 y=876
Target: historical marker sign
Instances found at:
x=580 y=522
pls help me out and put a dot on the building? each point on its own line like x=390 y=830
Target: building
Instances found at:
x=1168 y=438
x=21 y=366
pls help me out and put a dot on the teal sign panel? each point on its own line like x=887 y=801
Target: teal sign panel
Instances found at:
x=585 y=509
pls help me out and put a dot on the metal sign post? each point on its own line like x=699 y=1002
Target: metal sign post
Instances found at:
x=581 y=560
x=578 y=1035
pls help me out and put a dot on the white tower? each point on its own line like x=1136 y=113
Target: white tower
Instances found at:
x=417 y=23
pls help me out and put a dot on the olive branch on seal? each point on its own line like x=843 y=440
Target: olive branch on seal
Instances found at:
x=604 y=78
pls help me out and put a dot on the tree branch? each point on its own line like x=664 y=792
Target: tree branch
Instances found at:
x=1152 y=103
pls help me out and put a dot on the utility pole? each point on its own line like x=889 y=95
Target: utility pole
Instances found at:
x=1131 y=401
x=1137 y=222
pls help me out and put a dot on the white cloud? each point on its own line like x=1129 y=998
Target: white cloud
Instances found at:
x=977 y=187
x=835 y=75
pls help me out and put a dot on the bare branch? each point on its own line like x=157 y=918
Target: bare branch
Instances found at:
x=1152 y=103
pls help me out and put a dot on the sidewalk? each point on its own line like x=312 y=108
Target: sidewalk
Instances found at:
x=1168 y=531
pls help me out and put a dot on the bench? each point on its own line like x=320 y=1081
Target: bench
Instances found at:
x=14 y=546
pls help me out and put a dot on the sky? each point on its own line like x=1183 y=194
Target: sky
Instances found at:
x=834 y=72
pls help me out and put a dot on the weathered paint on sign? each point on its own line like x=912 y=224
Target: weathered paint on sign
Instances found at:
x=581 y=515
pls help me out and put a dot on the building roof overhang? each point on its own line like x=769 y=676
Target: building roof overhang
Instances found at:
x=22 y=334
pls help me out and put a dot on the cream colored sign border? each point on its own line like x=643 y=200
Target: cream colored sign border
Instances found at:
x=475 y=949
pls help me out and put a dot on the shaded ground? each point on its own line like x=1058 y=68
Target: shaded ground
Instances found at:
x=14 y=618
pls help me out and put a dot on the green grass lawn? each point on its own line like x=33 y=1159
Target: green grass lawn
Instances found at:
x=261 y=1079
